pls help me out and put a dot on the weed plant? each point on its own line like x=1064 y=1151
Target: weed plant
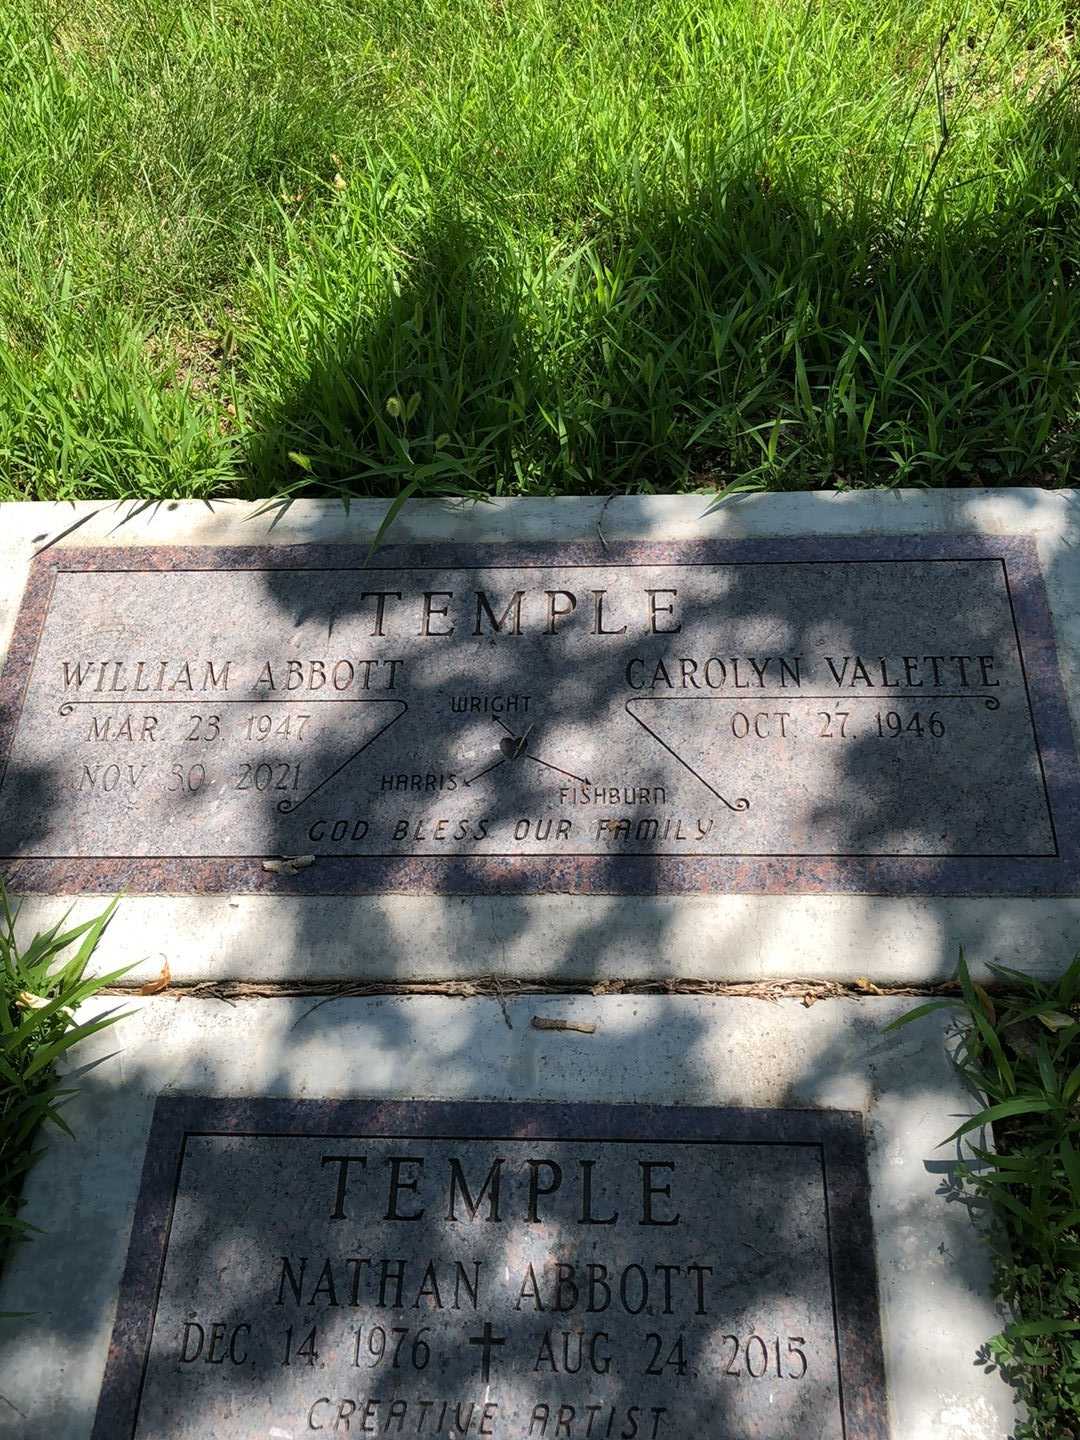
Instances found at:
x=536 y=246
x=1020 y=1052
x=40 y=986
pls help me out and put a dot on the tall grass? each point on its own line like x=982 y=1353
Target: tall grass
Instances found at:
x=42 y=982
x=534 y=246
x=1019 y=1052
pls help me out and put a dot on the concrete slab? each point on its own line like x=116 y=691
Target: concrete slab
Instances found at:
x=715 y=936
x=933 y=1269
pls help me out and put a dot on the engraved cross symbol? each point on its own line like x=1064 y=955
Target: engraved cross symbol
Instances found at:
x=487 y=1341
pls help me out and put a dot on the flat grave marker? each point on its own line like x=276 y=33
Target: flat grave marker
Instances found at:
x=877 y=715
x=514 y=1270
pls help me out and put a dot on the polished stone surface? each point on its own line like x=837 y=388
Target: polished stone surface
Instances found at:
x=505 y=1270
x=673 y=1051
x=790 y=716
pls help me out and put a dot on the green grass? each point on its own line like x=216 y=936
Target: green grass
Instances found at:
x=1020 y=1053
x=41 y=984
x=536 y=246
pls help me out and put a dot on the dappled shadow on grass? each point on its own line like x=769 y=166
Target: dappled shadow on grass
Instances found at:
x=745 y=331
x=433 y=383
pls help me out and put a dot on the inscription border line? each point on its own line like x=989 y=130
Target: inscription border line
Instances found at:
x=1027 y=693
x=510 y=859
x=837 y=1135
x=591 y=872
x=527 y=565
x=832 y=1288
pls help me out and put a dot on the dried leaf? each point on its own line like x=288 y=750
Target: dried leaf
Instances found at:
x=1055 y=1020
x=986 y=1003
x=155 y=987
x=25 y=1001
x=544 y=1022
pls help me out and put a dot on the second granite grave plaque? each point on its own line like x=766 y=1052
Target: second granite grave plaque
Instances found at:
x=527 y=1272
x=879 y=715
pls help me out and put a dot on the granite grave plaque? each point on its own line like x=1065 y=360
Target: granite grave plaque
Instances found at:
x=877 y=715
x=527 y=1272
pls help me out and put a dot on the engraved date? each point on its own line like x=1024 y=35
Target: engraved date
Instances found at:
x=262 y=775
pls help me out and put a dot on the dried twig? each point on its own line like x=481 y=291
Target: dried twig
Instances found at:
x=288 y=864
x=554 y=1022
x=497 y=987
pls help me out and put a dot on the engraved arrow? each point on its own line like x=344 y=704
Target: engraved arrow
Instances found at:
x=488 y=771
x=568 y=773
x=741 y=804
x=286 y=807
x=517 y=751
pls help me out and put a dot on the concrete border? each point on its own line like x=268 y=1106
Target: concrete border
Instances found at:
x=580 y=937
x=933 y=1268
